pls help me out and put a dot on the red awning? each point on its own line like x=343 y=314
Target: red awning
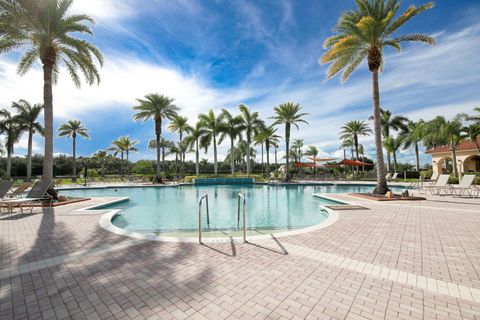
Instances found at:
x=348 y=162
x=305 y=165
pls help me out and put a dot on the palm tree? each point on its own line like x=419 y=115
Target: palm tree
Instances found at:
x=270 y=138
x=71 y=129
x=165 y=147
x=297 y=149
x=46 y=30
x=312 y=151
x=473 y=132
x=259 y=139
x=347 y=142
x=392 y=145
x=11 y=127
x=123 y=145
x=28 y=115
x=179 y=149
x=232 y=127
x=353 y=130
x=476 y=117
x=156 y=107
x=251 y=123
x=363 y=34
x=179 y=124
x=288 y=114
x=412 y=135
x=388 y=123
x=195 y=134
x=101 y=155
x=212 y=127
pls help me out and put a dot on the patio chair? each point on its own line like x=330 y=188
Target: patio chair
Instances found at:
x=394 y=177
x=5 y=186
x=437 y=188
x=19 y=190
x=388 y=176
x=464 y=186
x=38 y=193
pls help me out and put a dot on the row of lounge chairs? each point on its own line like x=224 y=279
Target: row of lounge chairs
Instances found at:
x=441 y=187
x=13 y=198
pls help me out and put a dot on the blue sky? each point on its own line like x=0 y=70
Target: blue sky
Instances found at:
x=217 y=54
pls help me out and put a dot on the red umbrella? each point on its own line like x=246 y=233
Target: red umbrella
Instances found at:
x=348 y=162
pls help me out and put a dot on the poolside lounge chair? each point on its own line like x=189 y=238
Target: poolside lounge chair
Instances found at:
x=38 y=193
x=5 y=186
x=394 y=177
x=464 y=186
x=438 y=187
x=19 y=190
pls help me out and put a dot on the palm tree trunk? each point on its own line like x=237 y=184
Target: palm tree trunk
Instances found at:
x=267 y=150
x=394 y=161
x=381 y=187
x=287 y=145
x=197 y=159
x=355 y=139
x=128 y=167
x=29 y=156
x=263 y=167
x=417 y=157
x=215 y=169
x=47 y=174
x=276 y=162
x=248 y=153
x=74 y=154
x=158 y=134
x=454 y=165
x=232 y=156
x=121 y=164
x=9 y=162
x=388 y=162
x=163 y=157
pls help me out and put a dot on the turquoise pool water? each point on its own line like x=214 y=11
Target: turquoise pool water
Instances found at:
x=165 y=209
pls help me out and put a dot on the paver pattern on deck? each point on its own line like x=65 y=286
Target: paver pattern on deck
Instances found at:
x=415 y=260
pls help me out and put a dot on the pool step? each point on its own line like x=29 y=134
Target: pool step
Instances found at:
x=346 y=207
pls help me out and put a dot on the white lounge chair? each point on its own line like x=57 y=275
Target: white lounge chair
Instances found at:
x=440 y=185
x=394 y=177
x=464 y=186
x=388 y=176
x=38 y=193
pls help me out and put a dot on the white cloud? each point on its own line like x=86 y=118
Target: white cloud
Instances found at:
x=104 y=10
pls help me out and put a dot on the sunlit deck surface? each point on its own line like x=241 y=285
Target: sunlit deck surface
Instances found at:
x=408 y=260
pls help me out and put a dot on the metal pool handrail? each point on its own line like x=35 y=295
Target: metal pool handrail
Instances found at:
x=205 y=196
x=241 y=196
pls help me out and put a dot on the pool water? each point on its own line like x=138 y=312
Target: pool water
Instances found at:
x=154 y=209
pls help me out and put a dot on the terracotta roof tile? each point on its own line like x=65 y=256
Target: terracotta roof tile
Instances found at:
x=463 y=146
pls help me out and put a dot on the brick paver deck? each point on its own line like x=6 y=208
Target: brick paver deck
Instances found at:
x=415 y=260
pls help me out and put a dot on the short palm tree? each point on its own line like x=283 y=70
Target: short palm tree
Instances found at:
x=297 y=149
x=179 y=124
x=354 y=129
x=476 y=117
x=28 y=115
x=412 y=135
x=259 y=139
x=156 y=107
x=288 y=114
x=101 y=155
x=46 y=30
x=165 y=147
x=388 y=123
x=251 y=123
x=347 y=143
x=10 y=126
x=312 y=151
x=363 y=34
x=123 y=145
x=193 y=139
x=231 y=128
x=473 y=133
x=392 y=145
x=271 y=138
x=212 y=127
x=71 y=129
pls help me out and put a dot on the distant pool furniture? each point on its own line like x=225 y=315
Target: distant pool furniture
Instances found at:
x=394 y=177
x=388 y=176
x=215 y=181
x=38 y=193
x=438 y=187
x=465 y=186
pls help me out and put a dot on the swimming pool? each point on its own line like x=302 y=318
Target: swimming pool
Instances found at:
x=171 y=209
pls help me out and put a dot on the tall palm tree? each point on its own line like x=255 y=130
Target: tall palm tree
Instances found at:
x=412 y=135
x=363 y=34
x=179 y=124
x=156 y=107
x=251 y=123
x=259 y=139
x=288 y=114
x=354 y=129
x=347 y=143
x=212 y=128
x=232 y=127
x=11 y=127
x=195 y=134
x=28 y=115
x=165 y=147
x=71 y=129
x=392 y=145
x=270 y=138
x=312 y=151
x=47 y=32
x=124 y=145
x=388 y=123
